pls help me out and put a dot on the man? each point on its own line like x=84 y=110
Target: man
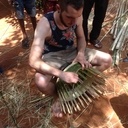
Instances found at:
x=29 y=6
x=54 y=39
x=99 y=15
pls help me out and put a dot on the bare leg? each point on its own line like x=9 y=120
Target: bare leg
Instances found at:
x=22 y=26
x=25 y=41
x=47 y=87
x=44 y=84
x=33 y=20
x=103 y=60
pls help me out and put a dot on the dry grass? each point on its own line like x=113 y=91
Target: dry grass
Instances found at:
x=18 y=105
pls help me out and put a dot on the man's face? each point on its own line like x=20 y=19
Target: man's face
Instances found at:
x=69 y=16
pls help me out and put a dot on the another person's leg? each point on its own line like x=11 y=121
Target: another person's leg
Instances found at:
x=30 y=7
x=33 y=20
x=88 y=4
x=22 y=26
x=99 y=15
x=19 y=10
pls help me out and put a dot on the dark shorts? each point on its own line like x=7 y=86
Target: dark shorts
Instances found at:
x=28 y=5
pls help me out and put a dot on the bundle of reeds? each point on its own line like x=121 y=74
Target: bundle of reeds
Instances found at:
x=90 y=86
x=119 y=31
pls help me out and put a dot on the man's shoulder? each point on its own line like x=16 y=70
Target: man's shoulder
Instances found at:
x=43 y=26
x=43 y=19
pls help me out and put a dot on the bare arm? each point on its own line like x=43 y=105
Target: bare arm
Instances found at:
x=35 y=59
x=81 y=45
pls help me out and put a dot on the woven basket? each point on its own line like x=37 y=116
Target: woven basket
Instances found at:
x=90 y=86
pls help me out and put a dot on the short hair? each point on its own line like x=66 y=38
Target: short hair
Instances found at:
x=76 y=4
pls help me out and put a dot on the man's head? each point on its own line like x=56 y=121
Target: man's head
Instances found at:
x=76 y=4
x=69 y=11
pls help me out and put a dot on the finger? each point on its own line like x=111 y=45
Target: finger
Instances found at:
x=86 y=65
x=76 y=78
x=83 y=66
x=90 y=65
x=75 y=81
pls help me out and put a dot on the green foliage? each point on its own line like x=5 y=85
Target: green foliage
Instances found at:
x=40 y=4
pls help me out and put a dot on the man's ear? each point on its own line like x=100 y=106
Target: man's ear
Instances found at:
x=58 y=7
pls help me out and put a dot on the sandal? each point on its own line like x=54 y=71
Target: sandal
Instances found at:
x=96 y=43
x=25 y=43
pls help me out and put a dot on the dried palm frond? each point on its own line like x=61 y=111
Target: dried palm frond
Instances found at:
x=119 y=31
x=81 y=94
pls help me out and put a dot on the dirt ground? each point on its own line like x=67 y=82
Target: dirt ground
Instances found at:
x=109 y=111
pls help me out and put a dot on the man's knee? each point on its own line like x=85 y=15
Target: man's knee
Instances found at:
x=108 y=61
x=40 y=81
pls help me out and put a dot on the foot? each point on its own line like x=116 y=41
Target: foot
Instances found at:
x=25 y=43
x=56 y=109
x=96 y=43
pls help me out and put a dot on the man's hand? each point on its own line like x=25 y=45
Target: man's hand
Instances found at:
x=80 y=58
x=69 y=77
